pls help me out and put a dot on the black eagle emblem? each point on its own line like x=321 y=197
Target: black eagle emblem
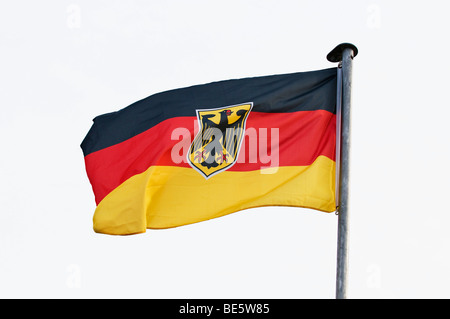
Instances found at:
x=216 y=146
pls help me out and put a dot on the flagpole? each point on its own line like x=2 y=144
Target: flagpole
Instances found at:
x=343 y=53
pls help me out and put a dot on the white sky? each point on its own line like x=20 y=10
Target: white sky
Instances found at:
x=62 y=63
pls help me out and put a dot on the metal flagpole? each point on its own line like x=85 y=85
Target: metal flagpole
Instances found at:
x=343 y=53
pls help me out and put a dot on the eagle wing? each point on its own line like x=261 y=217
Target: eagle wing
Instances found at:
x=234 y=133
x=207 y=130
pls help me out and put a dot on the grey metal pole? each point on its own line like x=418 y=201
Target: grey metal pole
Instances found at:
x=344 y=53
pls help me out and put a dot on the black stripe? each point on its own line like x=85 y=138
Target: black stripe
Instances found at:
x=303 y=91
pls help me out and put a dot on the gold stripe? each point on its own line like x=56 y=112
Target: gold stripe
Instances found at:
x=170 y=196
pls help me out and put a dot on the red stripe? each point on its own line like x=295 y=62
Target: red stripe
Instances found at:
x=303 y=136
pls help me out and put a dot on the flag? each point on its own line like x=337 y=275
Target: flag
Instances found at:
x=197 y=153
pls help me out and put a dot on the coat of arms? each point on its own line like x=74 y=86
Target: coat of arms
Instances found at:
x=216 y=146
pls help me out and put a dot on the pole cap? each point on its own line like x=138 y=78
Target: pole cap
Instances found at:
x=336 y=54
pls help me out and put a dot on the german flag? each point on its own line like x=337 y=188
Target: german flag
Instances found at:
x=197 y=153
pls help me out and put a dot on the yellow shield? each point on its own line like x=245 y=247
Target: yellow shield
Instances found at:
x=216 y=146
